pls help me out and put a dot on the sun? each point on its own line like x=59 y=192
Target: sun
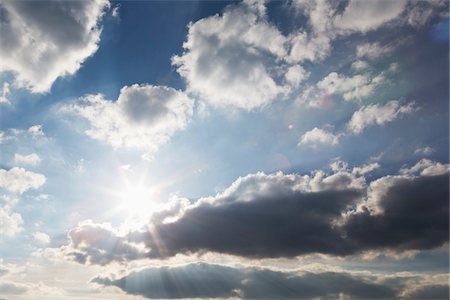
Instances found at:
x=138 y=200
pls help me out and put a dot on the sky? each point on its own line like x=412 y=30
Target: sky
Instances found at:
x=224 y=149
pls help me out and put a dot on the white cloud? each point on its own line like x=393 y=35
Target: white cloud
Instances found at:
x=19 y=180
x=378 y=115
x=364 y=169
x=426 y=167
x=31 y=159
x=228 y=62
x=363 y=16
x=339 y=165
x=36 y=130
x=342 y=166
x=356 y=87
x=328 y=22
x=359 y=65
x=424 y=151
x=313 y=97
x=269 y=185
x=315 y=45
x=42 y=41
x=144 y=116
x=4 y=94
x=295 y=75
x=42 y=197
x=115 y=11
x=317 y=136
x=372 y=50
x=10 y=222
x=312 y=48
x=41 y=238
x=351 y=88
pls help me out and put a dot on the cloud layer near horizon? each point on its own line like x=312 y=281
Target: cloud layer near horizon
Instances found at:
x=202 y=280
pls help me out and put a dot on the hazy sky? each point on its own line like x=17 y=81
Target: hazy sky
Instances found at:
x=224 y=149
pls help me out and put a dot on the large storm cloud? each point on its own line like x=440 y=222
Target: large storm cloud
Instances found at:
x=278 y=215
x=284 y=220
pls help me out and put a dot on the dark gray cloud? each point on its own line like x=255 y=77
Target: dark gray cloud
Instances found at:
x=413 y=215
x=272 y=226
x=277 y=215
x=200 y=280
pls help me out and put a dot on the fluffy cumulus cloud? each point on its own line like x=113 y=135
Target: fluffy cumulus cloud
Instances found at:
x=228 y=62
x=19 y=180
x=364 y=169
x=316 y=137
x=278 y=215
x=363 y=16
x=144 y=116
x=295 y=75
x=10 y=222
x=339 y=165
x=202 y=280
x=351 y=88
x=425 y=167
x=42 y=41
x=378 y=115
x=328 y=21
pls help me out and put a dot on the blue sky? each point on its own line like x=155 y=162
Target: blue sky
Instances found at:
x=292 y=145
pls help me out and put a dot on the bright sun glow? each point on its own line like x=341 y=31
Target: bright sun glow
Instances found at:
x=138 y=200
